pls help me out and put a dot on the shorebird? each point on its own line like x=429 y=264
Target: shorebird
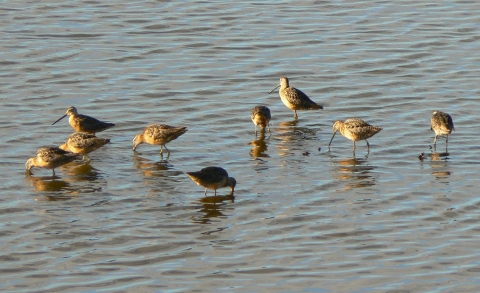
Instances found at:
x=84 y=123
x=213 y=178
x=158 y=134
x=442 y=124
x=355 y=129
x=83 y=143
x=294 y=98
x=261 y=115
x=50 y=158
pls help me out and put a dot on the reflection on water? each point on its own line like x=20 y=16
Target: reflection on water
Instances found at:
x=293 y=136
x=153 y=171
x=355 y=172
x=259 y=146
x=439 y=165
x=213 y=207
x=81 y=171
x=150 y=168
x=78 y=177
x=47 y=183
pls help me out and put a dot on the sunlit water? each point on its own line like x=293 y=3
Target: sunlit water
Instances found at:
x=302 y=219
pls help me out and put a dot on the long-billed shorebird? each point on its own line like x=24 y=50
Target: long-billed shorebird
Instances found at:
x=158 y=134
x=294 y=98
x=84 y=123
x=50 y=158
x=261 y=116
x=83 y=143
x=355 y=129
x=442 y=124
x=213 y=178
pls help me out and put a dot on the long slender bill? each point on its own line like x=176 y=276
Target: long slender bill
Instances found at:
x=331 y=139
x=274 y=88
x=60 y=119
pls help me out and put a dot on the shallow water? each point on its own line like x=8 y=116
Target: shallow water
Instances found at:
x=302 y=219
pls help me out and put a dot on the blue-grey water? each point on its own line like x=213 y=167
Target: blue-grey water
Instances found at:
x=302 y=219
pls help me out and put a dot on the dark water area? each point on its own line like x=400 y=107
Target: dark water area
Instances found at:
x=302 y=218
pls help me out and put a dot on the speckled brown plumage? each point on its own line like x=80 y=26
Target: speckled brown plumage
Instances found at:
x=158 y=134
x=261 y=116
x=50 y=158
x=213 y=178
x=84 y=123
x=294 y=98
x=83 y=143
x=355 y=129
x=442 y=124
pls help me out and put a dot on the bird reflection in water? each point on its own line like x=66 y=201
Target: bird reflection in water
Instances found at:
x=51 y=188
x=79 y=171
x=150 y=168
x=213 y=207
x=439 y=165
x=293 y=136
x=355 y=172
x=259 y=146
x=47 y=183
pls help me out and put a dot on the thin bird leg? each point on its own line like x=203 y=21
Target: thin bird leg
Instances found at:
x=53 y=172
x=368 y=145
x=295 y=114
x=447 y=139
x=255 y=130
x=167 y=151
x=269 y=128
x=205 y=192
x=161 y=150
x=435 y=140
x=215 y=193
x=354 y=146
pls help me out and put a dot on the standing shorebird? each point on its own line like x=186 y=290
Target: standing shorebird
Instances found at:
x=261 y=115
x=213 y=178
x=294 y=98
x=84 y=123
x=158 y=134
x=355 y=129
x=83 y=143
x=50 y=158
x=442 y=124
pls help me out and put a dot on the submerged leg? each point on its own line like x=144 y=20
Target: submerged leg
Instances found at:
x=295 y=114
x=215 y=194
x=53 y=172
x=205 y=192
x=435 y=140
x=269 y=128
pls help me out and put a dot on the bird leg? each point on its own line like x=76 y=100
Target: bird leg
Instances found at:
x=354 y=146
x=215 y=194
x=368 y=145
x=435 y=140
x=295 y=114
x=269 y=128
x=205 y=192
x=168 y=156
x=53 y=172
